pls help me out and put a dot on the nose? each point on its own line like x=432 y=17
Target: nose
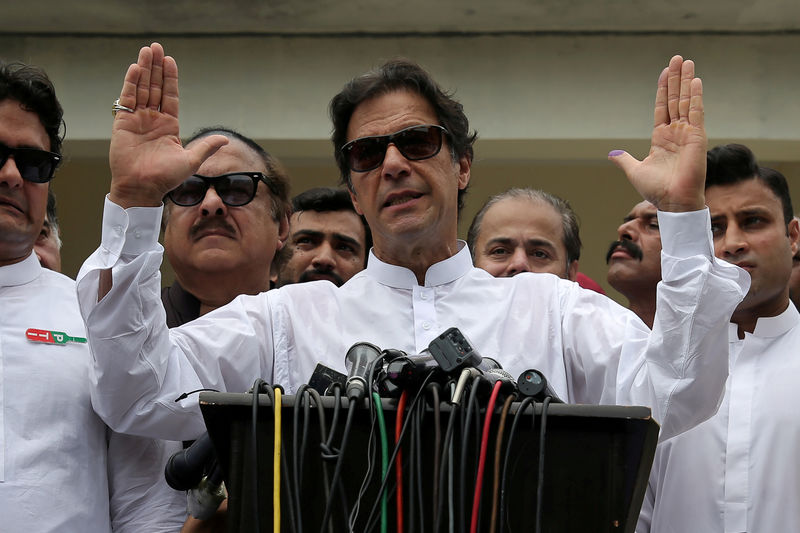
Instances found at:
x=395 y=165
x=10 y=174
x=212 y=204
x=627 y=231
x=518 y=262
x=732 y=243
x=324 y=258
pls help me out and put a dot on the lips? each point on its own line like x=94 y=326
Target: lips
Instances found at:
x=11 y=203
x=400 y=198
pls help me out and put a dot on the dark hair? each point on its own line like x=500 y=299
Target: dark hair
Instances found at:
x=398 y=75
x=733 y=163
x=52 y=216
x=280 y=179
x=569 y=220
x=30 y=86
x=325 y=199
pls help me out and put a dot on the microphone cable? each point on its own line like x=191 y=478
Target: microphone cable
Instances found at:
x=385 y=480
x=328 y=452
x=434 y=388
x=257 y=386
x=498 y=447
x=384 y=457
x=276 y=464
x=337 y=472
x=398 y=425
x=302 y=401
x=540 y=482
x=487 y=425
x=503 y=483
x=472 y=410
x=447 y=449
x=323 y=437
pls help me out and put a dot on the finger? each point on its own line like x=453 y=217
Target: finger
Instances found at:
x=143 y=86
x=127 y=96
x=674 y=86
x=624 y=161
x=169 y=96
x=687 y=75
x=696 y=113
x=661 y=113
x=202 y=149
x=156 y=77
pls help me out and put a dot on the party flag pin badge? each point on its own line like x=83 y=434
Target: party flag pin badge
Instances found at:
x=50 y=337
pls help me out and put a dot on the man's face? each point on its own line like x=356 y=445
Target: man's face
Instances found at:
x=212 y=237
x=749 y=231
x=324 y=245
x=521 y=235
x=22 y=203
x=406 y=203
x=634 y=259
x=47 y=247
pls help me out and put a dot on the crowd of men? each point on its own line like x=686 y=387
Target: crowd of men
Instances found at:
x=709 y=262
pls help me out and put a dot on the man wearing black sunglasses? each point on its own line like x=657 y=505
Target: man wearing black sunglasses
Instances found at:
x=61 y=467
x=404 y=150
x=223 y=226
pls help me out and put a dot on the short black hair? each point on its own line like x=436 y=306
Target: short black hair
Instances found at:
x=733 y=163
x=275 y=171
x=325 y=199
x=30 y=86
x=398 y=75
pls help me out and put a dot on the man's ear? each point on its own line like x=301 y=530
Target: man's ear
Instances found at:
x=464 y=165
x=572 y=271
x=793 y=231
x=283 y=232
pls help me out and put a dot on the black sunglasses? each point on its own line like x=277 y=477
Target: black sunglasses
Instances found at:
x=34 y=165
x=235 y=189
x=415 y=143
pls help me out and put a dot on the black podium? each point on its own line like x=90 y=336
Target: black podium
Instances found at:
x=596 y=466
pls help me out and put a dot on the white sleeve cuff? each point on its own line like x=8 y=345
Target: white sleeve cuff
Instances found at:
x=130 y=231
x=686 y=234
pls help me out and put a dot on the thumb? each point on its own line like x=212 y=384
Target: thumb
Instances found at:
x=203 y=148
x=623 y=160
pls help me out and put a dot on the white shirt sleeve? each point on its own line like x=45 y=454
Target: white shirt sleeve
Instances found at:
x=682 y=374
x=140 y=367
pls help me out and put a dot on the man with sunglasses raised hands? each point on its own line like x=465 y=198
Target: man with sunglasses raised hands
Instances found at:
x=223 y=226
x=405 y=151
x=61 y=469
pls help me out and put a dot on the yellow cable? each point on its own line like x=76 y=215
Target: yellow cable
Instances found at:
x=276 y=466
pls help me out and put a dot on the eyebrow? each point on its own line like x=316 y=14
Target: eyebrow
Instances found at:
x=321 y=235
x=530 y=242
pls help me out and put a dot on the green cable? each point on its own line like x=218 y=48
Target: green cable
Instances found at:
x=384 y=457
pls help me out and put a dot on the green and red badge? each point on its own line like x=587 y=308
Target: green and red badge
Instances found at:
x=50 y=337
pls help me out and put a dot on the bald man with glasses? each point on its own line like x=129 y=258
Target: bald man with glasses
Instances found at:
x=404 y=150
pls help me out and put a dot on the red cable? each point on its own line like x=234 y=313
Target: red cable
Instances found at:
x=398 y=426
x=476 y=500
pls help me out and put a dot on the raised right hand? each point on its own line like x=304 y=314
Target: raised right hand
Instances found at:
x=146 y=156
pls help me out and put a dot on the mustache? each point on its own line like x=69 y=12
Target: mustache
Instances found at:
x=628 y=246
x=311 y=274
x=211 y=223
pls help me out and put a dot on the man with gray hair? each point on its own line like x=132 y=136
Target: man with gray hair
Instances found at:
x=525 y=230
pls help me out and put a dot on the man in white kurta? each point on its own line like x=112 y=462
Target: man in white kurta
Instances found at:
x=738 y=471
x=61 y=468
x=419 y=280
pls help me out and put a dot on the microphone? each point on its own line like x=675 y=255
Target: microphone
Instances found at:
x=359 y=361
x=533 y=383
x=185 y=468
x=453 y=351
x=495 y=375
